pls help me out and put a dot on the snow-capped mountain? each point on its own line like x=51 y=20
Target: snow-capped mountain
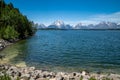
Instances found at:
x=106 y=25
x=68 y=26
x=59 y=25
x=41 y=26
x=91 y=26
x=101 y=25
x=112 y=25
x=80 y=26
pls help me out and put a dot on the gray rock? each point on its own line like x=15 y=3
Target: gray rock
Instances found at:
x=24 y=78
x=59 y=76
x=29 y=73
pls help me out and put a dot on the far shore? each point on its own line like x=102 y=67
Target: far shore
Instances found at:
x=73 y=29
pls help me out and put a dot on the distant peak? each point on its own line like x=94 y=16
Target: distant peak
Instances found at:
x=79 y=24
x=58 y=23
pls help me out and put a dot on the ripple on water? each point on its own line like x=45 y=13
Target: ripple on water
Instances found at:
x=71 y=50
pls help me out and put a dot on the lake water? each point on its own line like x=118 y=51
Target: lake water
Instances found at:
x=69 y=50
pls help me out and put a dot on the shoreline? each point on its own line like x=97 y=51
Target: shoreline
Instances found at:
x=31 y=73
x=4 y=59
x=4 y=44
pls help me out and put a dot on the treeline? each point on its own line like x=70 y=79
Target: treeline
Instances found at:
x=13 y=24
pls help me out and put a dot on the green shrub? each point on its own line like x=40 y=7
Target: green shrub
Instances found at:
x=92 y=78
x=5 y=77
x=81 y=78
x=107 y=79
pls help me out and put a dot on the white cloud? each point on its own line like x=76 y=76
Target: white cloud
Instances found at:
x=115 y=17
x=95 y=19
x=91 y=19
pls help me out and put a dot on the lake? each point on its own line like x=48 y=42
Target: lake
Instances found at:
x=68 y=50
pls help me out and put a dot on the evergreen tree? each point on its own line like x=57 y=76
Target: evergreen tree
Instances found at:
x=10 y=33
x=13 y=24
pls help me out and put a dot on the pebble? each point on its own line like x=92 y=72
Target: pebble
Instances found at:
x=30 y=73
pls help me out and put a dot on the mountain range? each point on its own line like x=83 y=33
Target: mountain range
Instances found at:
x=61 y=25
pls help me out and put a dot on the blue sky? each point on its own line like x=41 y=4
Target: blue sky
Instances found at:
x=70 y=11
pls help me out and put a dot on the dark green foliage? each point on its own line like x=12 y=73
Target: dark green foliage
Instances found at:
x=13 y=24
x=10 y=33
x=81 y=78
x=5 y=77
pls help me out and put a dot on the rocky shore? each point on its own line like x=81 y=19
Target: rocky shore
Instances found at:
x=4 y=43
x=30 y=73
